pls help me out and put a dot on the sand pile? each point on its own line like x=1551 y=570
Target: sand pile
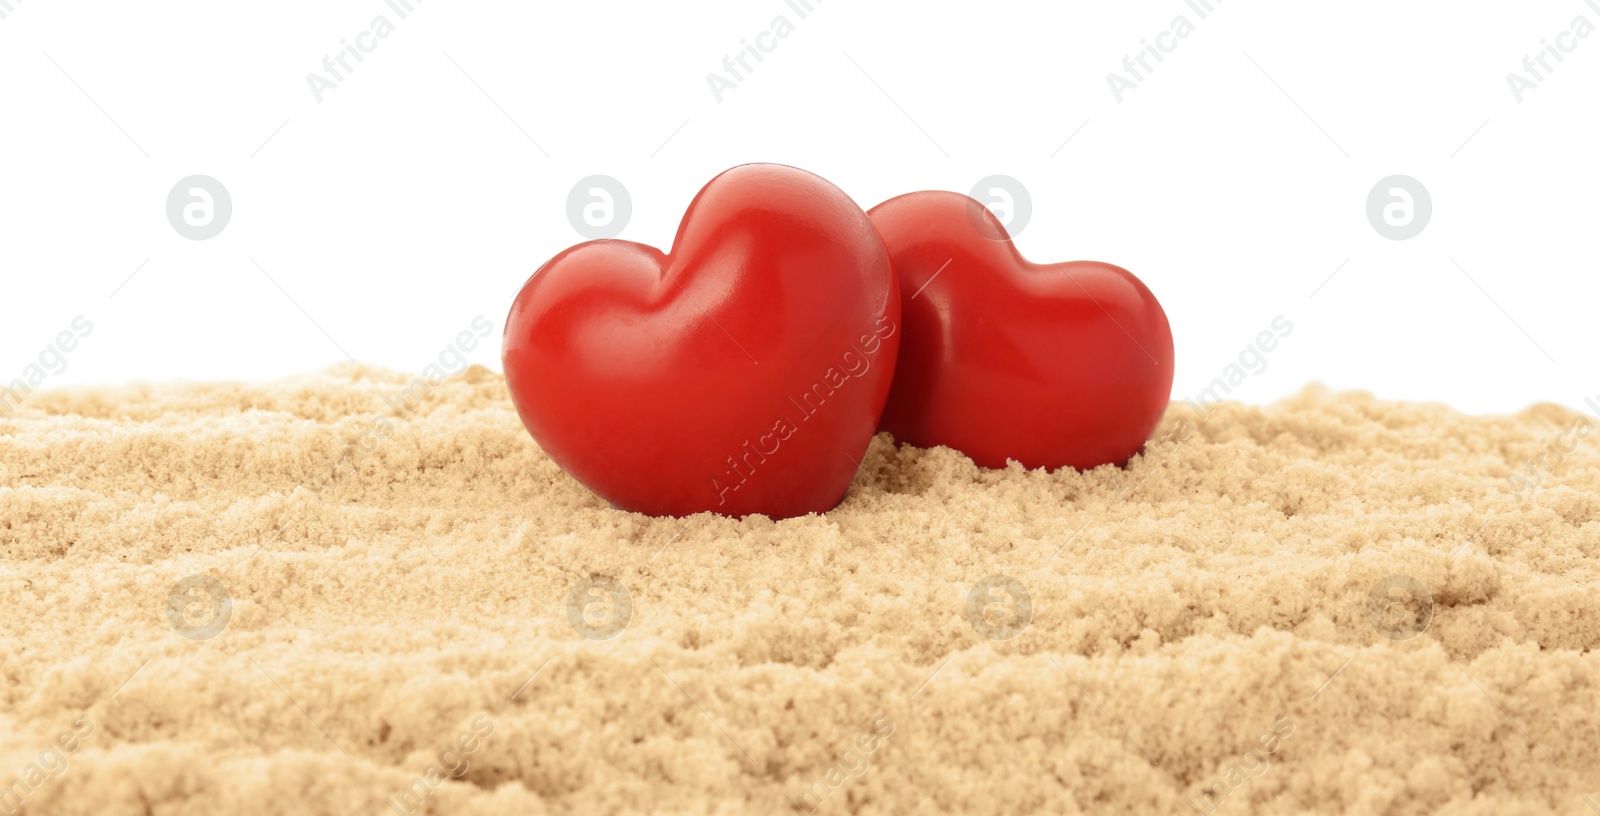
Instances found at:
x=334 y=595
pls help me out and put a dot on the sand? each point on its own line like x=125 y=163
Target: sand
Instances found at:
x=1197 y=633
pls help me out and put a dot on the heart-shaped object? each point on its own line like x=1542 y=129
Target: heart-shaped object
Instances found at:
x=743 y=373
x=1065 y=364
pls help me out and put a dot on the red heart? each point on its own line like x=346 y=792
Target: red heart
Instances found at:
x=1051 y=365
x=743 y=373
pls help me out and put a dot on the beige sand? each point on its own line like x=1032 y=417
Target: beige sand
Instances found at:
x=1187 y=614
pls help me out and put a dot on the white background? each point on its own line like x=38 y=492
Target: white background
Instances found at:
x=409 y=201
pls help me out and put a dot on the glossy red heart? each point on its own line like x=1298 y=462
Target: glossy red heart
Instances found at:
x=743 y=373
x=1066 y=364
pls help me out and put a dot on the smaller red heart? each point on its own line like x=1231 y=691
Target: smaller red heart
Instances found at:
x=1052 y=365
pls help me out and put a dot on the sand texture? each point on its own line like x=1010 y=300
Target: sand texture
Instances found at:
x=326 y=596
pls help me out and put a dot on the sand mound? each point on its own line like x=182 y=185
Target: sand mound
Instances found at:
x=347 y=593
